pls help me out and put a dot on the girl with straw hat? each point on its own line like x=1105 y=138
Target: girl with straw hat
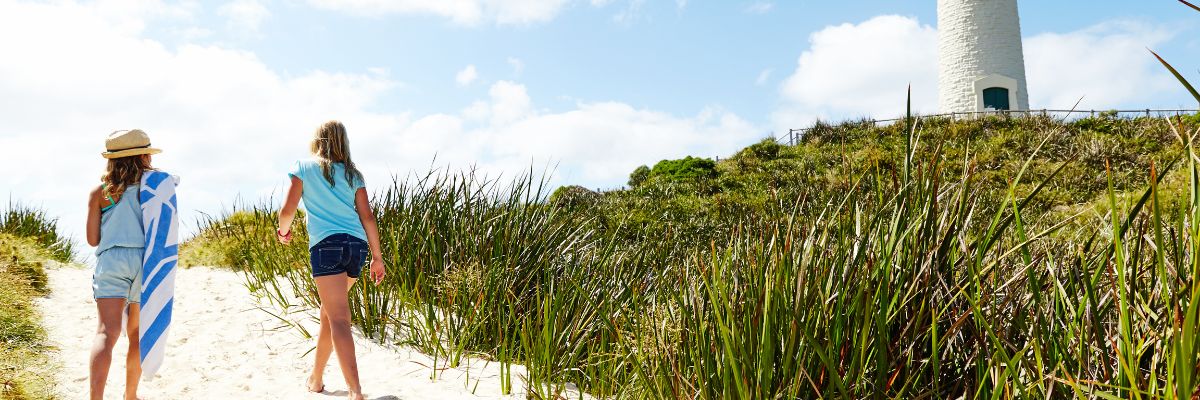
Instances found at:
x=114 y=227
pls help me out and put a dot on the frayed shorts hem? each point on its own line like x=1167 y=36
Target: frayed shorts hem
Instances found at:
x=127 y=300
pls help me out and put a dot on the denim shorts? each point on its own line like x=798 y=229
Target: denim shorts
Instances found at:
x=118 y=274
x=339 y=254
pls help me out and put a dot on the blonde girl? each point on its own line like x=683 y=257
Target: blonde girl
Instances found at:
x=342 y=233
x=114 y=227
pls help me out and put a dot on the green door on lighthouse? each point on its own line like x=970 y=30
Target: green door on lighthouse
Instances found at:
x=996 y=98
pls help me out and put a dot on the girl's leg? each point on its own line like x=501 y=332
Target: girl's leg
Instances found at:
x=106 y=338
x=332 y=291
x=133 y=359
x=316 y=381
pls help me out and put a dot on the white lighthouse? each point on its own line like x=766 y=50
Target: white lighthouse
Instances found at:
x=981 y=63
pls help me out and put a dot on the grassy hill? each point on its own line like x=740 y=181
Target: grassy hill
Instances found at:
x=771 y=180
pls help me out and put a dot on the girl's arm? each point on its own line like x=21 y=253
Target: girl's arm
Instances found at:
x=288 y=212
x=93 y=216
x=363 y=205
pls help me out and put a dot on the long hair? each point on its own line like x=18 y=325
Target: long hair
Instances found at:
x=330 y=145
x=122 y=172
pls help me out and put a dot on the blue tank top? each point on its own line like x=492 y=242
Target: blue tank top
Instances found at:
x=121 y=225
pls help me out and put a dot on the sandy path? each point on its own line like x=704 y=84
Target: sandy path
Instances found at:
x=222 y=346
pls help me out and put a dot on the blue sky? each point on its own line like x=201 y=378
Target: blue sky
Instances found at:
x=653 y=54
x=232 y=89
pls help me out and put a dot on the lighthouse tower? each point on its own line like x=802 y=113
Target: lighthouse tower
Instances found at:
x=981 y=63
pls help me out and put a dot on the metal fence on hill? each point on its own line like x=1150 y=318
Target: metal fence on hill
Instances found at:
x=794 y=135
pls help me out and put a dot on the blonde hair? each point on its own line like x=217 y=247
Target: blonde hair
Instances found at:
x=122 y=172
x=330 y=145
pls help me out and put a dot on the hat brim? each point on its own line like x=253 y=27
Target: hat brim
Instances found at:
x=129 y=153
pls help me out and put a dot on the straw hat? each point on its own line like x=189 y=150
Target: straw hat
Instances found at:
x=132 y=142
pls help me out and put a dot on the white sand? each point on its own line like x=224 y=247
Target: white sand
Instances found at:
x=223 y=346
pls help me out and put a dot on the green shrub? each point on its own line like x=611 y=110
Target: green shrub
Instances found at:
x=574 y=196
x=1192 y=119
x=638 y=176
x=687 y=168
x=766 y=150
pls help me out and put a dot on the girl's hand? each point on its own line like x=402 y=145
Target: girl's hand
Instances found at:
x=284 y=238
x=378 y=271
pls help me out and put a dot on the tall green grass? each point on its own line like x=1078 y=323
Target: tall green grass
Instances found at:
x=216 y=244
x=25 y=221
x=478 y=268
x=28 y=237
x=25 y=367
x=897 y=288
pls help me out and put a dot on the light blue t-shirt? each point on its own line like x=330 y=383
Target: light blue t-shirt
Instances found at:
x=329 y=208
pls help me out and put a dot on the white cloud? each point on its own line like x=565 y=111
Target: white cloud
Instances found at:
x=466 y=76
x=631 y=13
x=517 y=65
x=192 y=34
x=862 y=70
x=853 y=71
x=130 y=16
x=230 y=125
x=1107 y=65
x=500 y=12
x=760 y=7
x=597 y=144
x=227 y=123
x=763 y=77
x=244 y=15
x=510 y=102
x=465 y=12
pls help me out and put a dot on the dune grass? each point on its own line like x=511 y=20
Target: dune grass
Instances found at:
x=25 y=367
x=216 y=244
x=29 y=222
x=913 y=282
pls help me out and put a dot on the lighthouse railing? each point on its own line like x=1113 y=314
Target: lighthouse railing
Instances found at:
x=794 y=136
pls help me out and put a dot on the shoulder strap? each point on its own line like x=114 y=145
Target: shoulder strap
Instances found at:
x=111 y=203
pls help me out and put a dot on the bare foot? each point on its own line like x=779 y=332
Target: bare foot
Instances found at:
x=355 y=396
x=315 y=385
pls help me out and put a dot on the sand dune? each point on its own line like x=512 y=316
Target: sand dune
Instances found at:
x=224 y=346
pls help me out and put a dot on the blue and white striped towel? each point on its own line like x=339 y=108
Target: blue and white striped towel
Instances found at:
x=160 y=218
